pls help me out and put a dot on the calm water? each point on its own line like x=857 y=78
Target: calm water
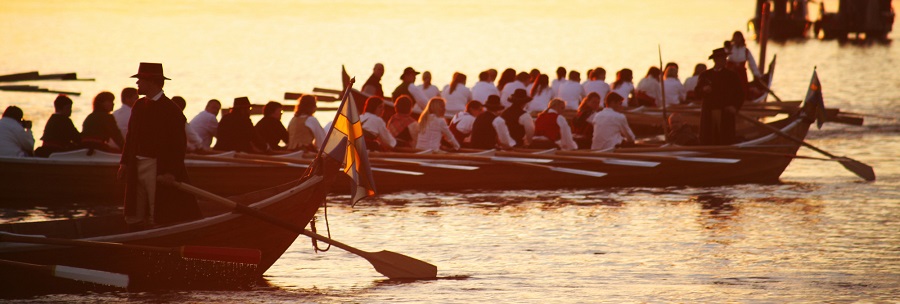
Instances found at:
x=821 y=236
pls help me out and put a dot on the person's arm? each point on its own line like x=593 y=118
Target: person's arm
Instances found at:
x=752 y=63
x=566 y=141
x=526 y=121
x=625 y=129
x=318 y=132
x=503 y=138
x=418 y=96
x=386 y=136
x=445 y=132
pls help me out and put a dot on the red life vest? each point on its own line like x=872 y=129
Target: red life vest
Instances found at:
x=545 y=125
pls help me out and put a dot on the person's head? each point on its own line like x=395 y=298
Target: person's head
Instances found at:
x=557 y=105
x=129 y=95
x=624 y=75
x=14 y=112
x=533 y=75
x=737 y=39
x=426 y=78
x=458 y=78
x=598 y=74
x=436 y=106
x=378 y=70
x=672 y=72
x=474 y=107
x=103 y=102
x=670 y=64
x=614 y=101
x=63 y=105
x=409 y=75
x=590 y=102
x=150 y=78
x=589 y=74
x=403 y=105
x=213 y=106
x=699 y=69
x=523 y=77
x=653 y=72
x=484 y=76
x=676 y=120
x=241 y=106
x=306 y=105
x=541 y=83
x=560 y=73
x=180 y=102
x=272 y=109
x=375 y=105
x=574 y=76
x=492 y=75
x=519 y=98
x=493 y=104
x=508 y=75
x=719 y=56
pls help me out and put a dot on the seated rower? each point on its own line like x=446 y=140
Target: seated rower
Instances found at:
x=377 y=136
x=582 y=129
x=205 y=123
x=456 y=94
x=518 y=120
x=647 y=93
x=680 y=133
x=610 y=125
x=270 y=129
x=304 y=131
x=552 y=129
x=489 y=130
x=16 y=139
x=100 y=127
x=433 y=128
x=402 y=125
x=236 y=132
x=461 y=124
x=60 y=134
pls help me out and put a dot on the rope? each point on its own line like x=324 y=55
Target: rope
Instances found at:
x=312 y=225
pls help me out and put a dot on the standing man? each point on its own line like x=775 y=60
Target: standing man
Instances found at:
x=373 y=84
x=129 y=96
x=408 y=87
x=722 y=95
x=155 y=148
x=205 y=123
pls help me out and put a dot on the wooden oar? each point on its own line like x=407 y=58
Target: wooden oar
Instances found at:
x=520 y=161
x=73 y=273
x=603 y=160
x=862 y=170
x=221 y=254
x=391 y=264
x=562 y=169
x=696 y=148
x=652 y=157
x=305 y=162
x=424 y=164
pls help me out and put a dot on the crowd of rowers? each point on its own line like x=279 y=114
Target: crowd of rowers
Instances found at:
x=487 y=115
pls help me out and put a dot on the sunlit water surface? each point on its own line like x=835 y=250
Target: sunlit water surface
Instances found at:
x=820 y=236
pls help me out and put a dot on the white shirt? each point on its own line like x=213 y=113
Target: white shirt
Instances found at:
x=554 y=86
x=739 y=55
x=205 y=125
x=540 y=101
x=194 y=142
x=597 y=86
x=418 y=96
x=483 y=89
x=508 y=90
x=465 y=120
x=430 y=135
x=572 y=92
x=430 y=92
x=456 y=101
x=312 y=124
x=624 y=90
x=122 y=115
x=528 y=123
x=675 y=92
x=691 y=83
x=566 y=141
x=14 y=139
x=650 y=86
x=503 y=136
x=610 y=129
x=376 y=125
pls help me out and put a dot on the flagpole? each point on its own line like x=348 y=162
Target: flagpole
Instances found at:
x=337 y=114
x=662 y=88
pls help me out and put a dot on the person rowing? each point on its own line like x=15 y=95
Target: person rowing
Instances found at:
x=489 y=130
x=551 y=129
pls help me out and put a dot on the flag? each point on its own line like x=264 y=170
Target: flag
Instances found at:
x=345 y=143
x=814 y=98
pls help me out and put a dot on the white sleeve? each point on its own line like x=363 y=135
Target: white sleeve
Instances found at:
x=386 y=136
x=445 y=131
x=625 y=129
x=193 y=140
x=566 y=142
x=418 y=96
x=752 y=63
x=503 y=136
x=318 y=132
x=526 y=121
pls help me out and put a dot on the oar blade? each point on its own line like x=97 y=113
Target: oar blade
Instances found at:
x=521 y=159
x=578 y=172
x=92 y=276
x=401 y=267
x=223 y=254
x=630 y=163
x=709 y=160
x=858 y=168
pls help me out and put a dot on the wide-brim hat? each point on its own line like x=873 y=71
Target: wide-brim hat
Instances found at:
x=493 y=103
x=408 y=70
x=519 y=97
x=718 y=52
x=241 y=102
x=150 y=70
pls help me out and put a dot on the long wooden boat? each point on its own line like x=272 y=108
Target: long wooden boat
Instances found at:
x=90 y=178
x=295 y=202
